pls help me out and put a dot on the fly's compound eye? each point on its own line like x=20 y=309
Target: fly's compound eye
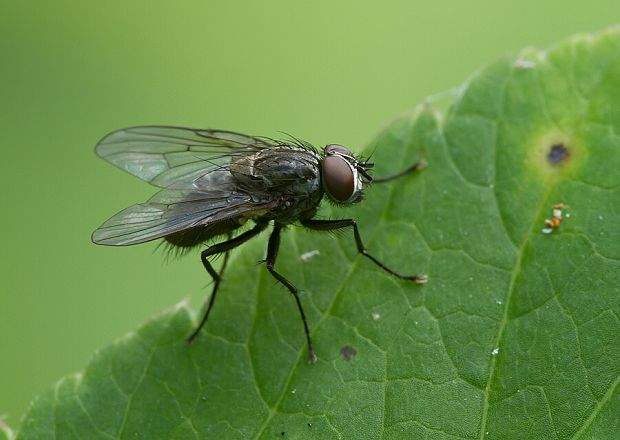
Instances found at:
x=335 y=148
x=338 y=178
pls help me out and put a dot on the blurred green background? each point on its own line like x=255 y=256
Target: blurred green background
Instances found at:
x=72 y=71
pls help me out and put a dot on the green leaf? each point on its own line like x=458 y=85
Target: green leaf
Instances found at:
x=516 y=335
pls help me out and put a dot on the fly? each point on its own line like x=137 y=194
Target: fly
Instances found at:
x=214 y=181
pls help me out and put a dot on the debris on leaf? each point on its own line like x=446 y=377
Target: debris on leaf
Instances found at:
x=347 y=352
x=307 y=256
x=524 y=64
x=556 y=218
x=558 y=154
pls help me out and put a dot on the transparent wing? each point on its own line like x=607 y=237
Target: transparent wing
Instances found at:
x=173 y=210
x=164 y=155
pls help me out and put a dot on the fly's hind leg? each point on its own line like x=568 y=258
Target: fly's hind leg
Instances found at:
x=272 y=254
x=224 y=247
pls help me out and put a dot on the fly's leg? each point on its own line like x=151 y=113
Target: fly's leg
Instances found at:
x=272 y=254
x=221 y=272
x=225 y=262
x=417 y=166
x=330 y=225
x=224 y=247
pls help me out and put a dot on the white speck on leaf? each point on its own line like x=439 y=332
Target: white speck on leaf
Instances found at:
x=524 y=64
x=495 y=351
x=307 y=256
x=375 y=315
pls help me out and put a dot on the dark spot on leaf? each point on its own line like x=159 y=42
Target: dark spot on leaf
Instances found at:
x=347 y=352
x=558 y=153
x=282 y=433
x=309 y=425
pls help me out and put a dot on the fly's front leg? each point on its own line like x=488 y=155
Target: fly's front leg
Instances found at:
x=272 y=254
x=417 y=166
x=330 y=225
x=224 y=247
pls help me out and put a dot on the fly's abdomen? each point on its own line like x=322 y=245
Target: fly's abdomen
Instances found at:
x=191 y=237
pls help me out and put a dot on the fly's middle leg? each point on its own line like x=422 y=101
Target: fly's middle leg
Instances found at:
x=331 y=225
x=272 y=254
x=224 y=247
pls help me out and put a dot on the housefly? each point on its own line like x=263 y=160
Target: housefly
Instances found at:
x=213 y=181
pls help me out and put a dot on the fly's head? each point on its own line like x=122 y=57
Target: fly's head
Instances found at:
x=343 y=175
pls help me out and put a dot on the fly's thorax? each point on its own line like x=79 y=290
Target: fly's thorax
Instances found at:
x=342 y=175
x=283 y=169
x=288 y=176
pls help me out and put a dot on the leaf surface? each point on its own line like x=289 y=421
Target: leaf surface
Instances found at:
x=516 y=335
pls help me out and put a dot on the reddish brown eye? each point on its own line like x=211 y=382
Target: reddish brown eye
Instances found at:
x=338 y=178
x=335 y=148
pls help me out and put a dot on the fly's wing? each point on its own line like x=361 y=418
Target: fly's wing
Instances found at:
x=164 y=156
x=173 y=210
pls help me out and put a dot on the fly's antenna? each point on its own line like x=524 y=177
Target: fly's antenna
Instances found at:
x=362 y=170
x=366 y=162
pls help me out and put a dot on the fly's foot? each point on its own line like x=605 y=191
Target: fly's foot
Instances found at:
x=418 y=279
x=311 y=356
x=420 y=165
